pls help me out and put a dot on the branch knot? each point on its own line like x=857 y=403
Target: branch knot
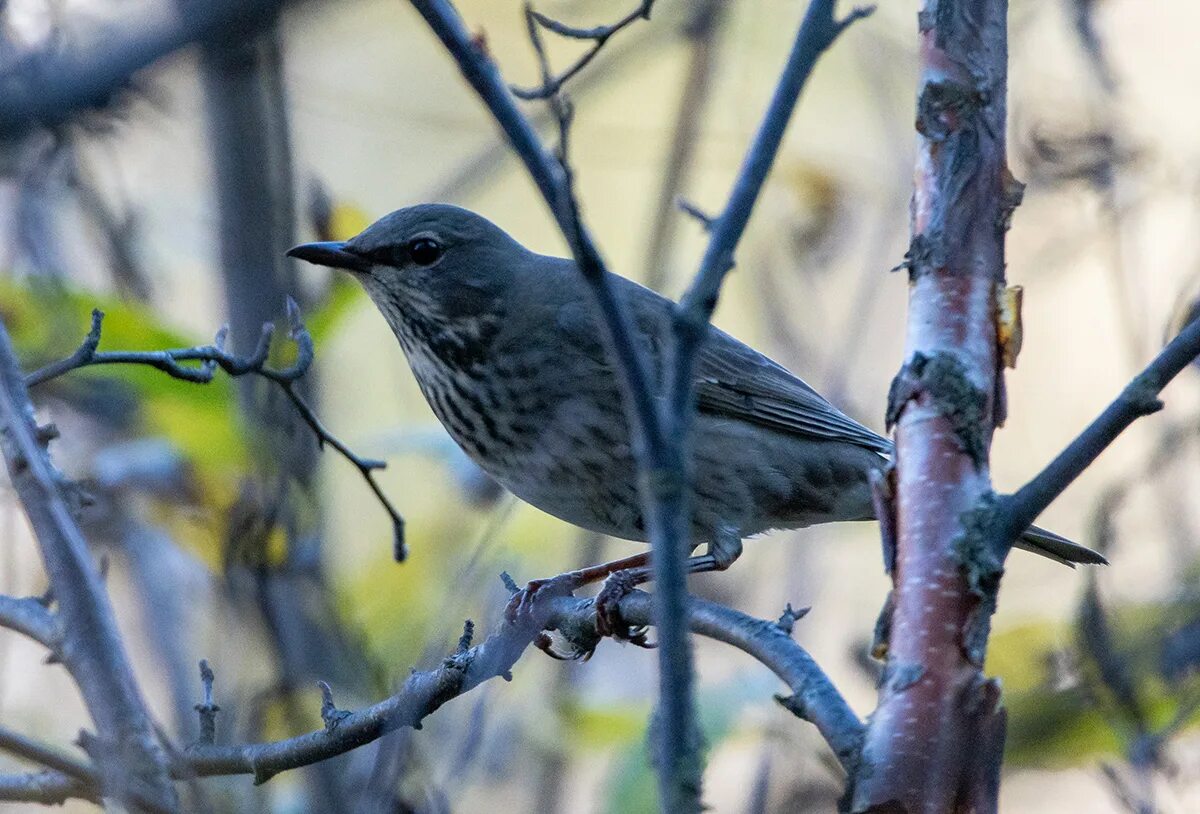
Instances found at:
x=944 y=378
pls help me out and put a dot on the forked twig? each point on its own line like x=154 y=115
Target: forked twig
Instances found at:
x=173 y=362
x=599 y=35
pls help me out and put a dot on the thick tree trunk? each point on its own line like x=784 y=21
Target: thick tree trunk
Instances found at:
x=934 y=744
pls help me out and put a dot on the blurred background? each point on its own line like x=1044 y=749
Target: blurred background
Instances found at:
x=231 y=537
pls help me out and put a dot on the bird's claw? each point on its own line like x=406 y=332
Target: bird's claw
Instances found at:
x=521 y=602
x=608 y=611
x=545 y=643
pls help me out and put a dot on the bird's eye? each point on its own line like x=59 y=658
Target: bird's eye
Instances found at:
x=425 y=251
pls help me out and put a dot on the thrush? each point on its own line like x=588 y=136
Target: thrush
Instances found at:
x=505 y=345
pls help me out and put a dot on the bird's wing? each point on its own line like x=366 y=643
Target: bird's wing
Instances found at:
x=732 y=379
x=735 y=381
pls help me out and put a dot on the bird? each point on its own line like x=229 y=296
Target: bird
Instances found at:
x=507 y=349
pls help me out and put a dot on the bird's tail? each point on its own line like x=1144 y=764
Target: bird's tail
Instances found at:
x=1051 y=545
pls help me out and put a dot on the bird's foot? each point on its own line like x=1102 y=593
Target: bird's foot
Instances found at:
x=545 y=642
x=523 y=600
x=521 y=603
x=608 y=610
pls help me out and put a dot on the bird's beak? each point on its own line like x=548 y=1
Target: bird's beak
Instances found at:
x=331 y=253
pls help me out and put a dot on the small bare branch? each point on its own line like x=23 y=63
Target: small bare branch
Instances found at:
x=1139 y=398
x=45 y=787
x=790 y=616
x=207 y=710
x=91 y=649
x=70 y=776
x=599 y=35
x=330 y=714
x=34 y=751
x=30 y=616
x=210 y=357
x=464 y=641
x=468 y=666
x=699 y=215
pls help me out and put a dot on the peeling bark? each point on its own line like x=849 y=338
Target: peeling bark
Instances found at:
x=935 y=742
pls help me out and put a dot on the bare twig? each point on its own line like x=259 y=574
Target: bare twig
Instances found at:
x=206 y=709
x=599 y=35
x=34 y=751
x=696 y=213
x=691 y=324
x=817 y=33
x=211 y=357
x=702 y=29
x=91 y=644
x=31 y=617
x=815 y=697
x=612 y=63
x=1139 y=398
x=83 y=774
x=46 y=787
x=330 y=714
x=659 y=459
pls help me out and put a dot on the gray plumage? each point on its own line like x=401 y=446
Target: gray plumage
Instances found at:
x=507 y=350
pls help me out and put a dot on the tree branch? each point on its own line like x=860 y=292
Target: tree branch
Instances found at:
x=77 y=777
x=91 y=645
x=1139 y=398
x=50 y=87
x=31 y=617
x=211 y=357
x=599 y=35
x=817 y=33
x=35 y=751
x=425 y=691
x=935 y=740
x=46 y=787
x=814 y=697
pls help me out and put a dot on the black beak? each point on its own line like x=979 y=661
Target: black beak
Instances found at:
x=330 y=253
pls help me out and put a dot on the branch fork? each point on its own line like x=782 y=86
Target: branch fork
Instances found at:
x=211 y=357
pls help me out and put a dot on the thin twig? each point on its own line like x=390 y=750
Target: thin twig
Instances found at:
x=677 y=740
x=659 y=459
x=30 y=616
x=207 y=710
x=92 y=649
x=1139 y=398
x=34 y=751
x=599 y=35
x=330 y=714
x=817 y=33
x=816 y=699
x=84 y=778
x=214 y=356
x=46 y=787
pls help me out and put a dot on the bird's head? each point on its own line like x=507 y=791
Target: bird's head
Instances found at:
x=432 y=263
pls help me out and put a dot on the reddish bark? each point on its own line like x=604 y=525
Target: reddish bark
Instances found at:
x=934 y=743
